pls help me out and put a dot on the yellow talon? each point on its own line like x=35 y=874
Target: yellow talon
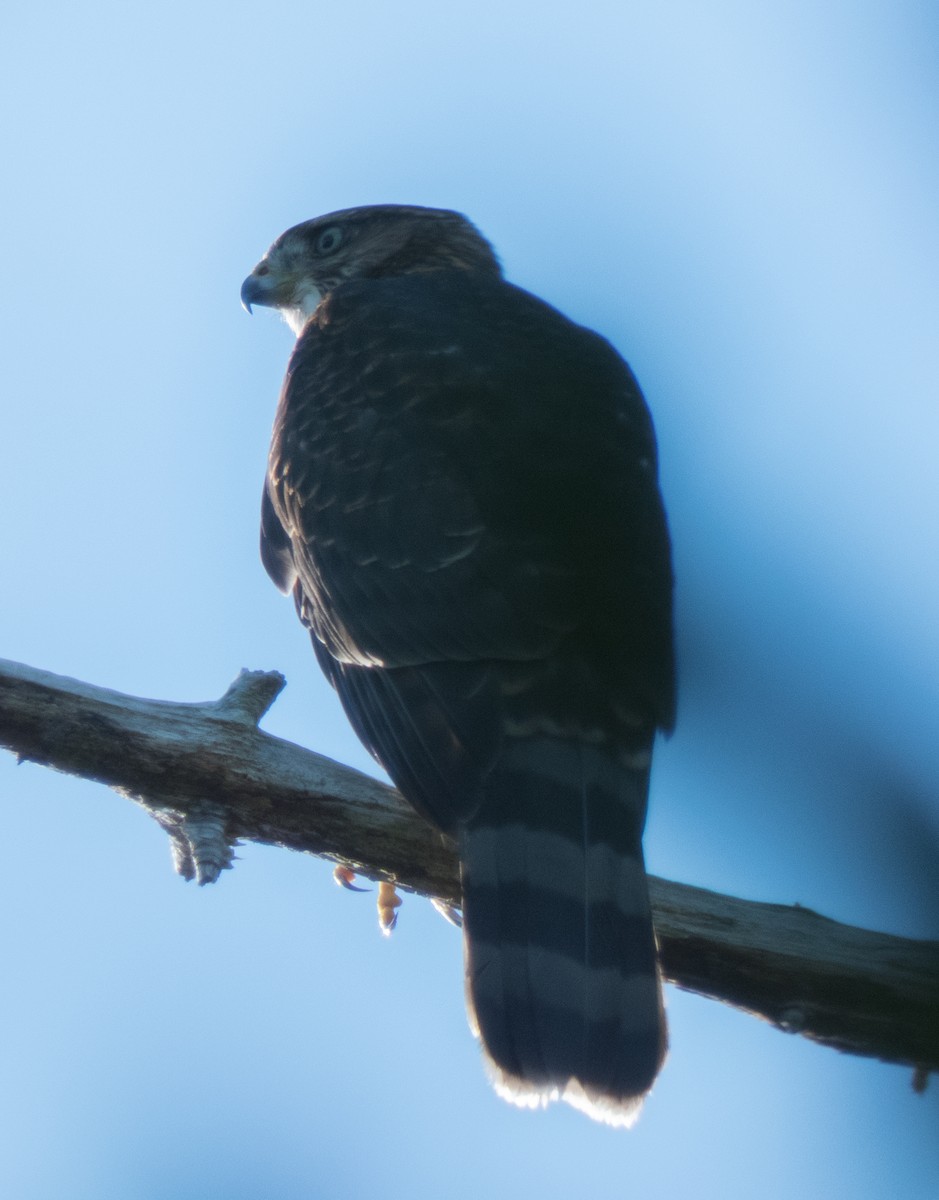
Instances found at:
x=388 y=903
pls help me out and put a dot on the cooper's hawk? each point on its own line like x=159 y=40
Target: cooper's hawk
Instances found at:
x=462 y=495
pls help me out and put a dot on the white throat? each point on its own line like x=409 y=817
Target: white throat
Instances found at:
x=307 y=304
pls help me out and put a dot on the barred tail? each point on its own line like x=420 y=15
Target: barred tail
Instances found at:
x=561 y=974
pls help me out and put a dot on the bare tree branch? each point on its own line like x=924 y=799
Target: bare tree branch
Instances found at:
x=211 y=777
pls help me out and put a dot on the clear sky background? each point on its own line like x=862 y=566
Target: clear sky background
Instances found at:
x=743 y=197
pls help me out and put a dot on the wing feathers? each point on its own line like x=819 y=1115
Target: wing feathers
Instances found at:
x=462 y=494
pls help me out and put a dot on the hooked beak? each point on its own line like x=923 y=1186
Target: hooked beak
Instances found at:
x=254 y=291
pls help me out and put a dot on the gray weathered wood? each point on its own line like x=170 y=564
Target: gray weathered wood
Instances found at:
x=211 y=777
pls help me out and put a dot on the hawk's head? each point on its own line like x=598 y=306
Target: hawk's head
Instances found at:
x=309 y=260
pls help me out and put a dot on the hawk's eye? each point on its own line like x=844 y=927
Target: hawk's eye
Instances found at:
x=329 y=240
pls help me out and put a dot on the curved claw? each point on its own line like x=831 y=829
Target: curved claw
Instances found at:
x=344 y=877
x=449 y=913
x=388 y=903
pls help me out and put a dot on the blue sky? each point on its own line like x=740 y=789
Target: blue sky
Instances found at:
x=743 y=198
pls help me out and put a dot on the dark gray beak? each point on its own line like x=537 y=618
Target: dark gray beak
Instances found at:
x=253 y=292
